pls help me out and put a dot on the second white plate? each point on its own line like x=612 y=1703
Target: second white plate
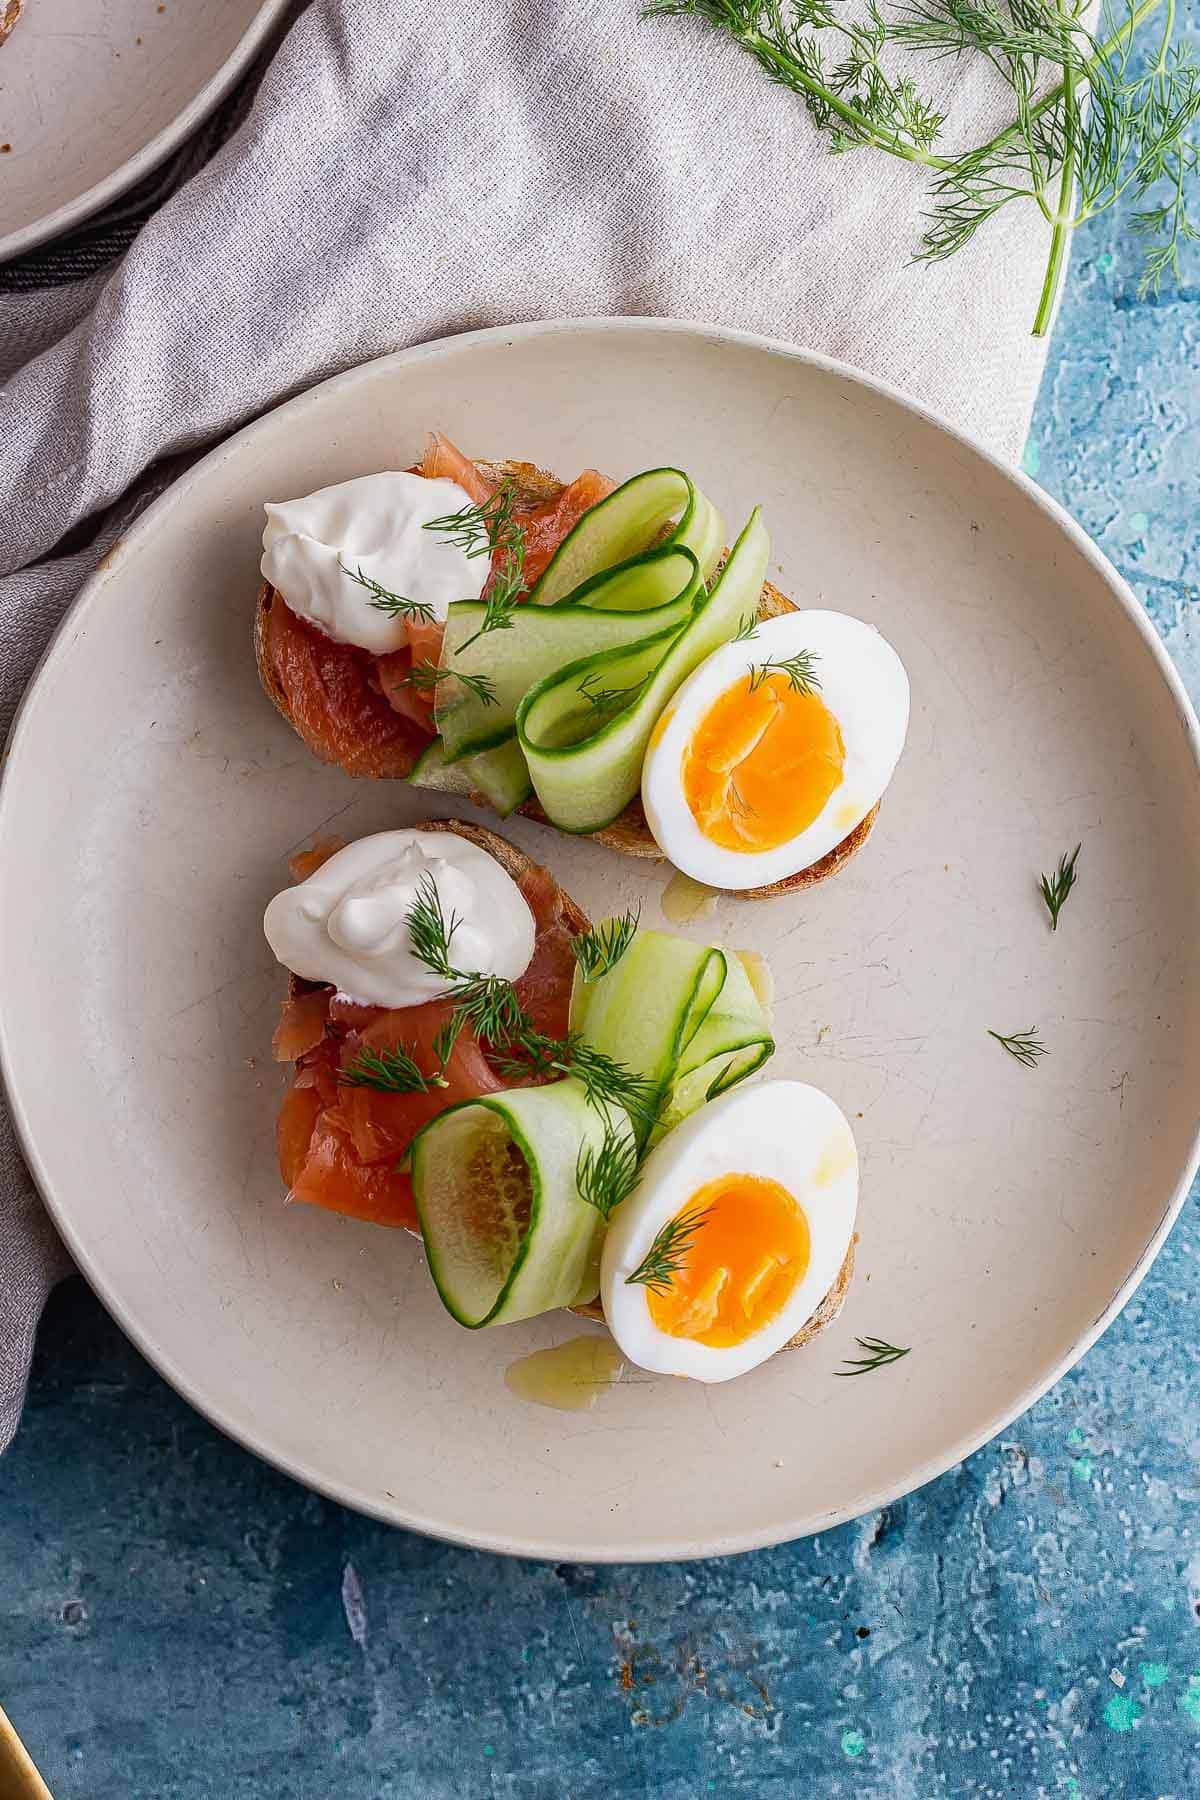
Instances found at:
x=92 y=99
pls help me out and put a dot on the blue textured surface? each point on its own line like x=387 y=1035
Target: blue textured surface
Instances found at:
x=177 y=1620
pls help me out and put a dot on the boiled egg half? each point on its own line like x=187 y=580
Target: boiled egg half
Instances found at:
x=775 y=749
x=735 y=1233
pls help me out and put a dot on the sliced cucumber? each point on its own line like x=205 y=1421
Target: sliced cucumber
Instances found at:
x=506 y=1232
x=431 y=770
x=632 y=518
x=500 y=775
x=652 y=593
x=682 y=1015
x=585 y=760
x=733 y=1040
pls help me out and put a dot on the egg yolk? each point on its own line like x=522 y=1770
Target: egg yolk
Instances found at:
x=744 y=1257
x=761 y=764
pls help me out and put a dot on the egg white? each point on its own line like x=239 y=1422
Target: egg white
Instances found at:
x=864 y=685
x=782 y=1130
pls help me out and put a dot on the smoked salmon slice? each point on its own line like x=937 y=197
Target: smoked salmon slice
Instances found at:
x=547 y=524
x=333 y=700
x=360 y=710
x=340 y=1145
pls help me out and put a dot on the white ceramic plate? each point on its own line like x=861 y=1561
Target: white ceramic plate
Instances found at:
x=152 y=795
x=92 y=97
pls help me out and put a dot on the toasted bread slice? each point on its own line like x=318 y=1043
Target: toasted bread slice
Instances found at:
x=10 y=12
x=629 y=834
x=515 y=863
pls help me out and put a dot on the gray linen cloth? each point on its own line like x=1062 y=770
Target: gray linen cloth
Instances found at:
x=405 y=172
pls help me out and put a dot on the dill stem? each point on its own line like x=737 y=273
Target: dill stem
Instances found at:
x=883 y=140
x=1060 y=234
x=1119 y=40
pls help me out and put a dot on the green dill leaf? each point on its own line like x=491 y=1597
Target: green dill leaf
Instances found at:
x=600 y=950
x=394 y=1071
x=397 y=605
x=609 y=1174
x=747 y=629
x=1055 y=888
x=609 y=699
x=427 y=677
x=481 y=529
x=668 y=1254
x=878 y=1356
x=1024 y=1046
x=430 y=932
x=799 y=669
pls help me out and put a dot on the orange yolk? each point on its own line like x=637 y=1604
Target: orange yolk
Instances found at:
x=744 y=1261
x=761 y=766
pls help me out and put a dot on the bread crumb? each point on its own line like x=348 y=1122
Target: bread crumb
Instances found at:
x=4 y=149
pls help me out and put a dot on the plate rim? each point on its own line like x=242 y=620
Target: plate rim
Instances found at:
x=191 y=1390
x=75 y=212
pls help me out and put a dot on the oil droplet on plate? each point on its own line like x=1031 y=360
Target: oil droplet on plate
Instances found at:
x=685 y=899
x=758 y=973
x=570 y=1377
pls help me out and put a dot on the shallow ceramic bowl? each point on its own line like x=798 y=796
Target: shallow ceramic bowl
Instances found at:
x=92 y=98
x=152 y=796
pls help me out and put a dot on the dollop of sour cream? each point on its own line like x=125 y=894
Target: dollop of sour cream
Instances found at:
x=348 y=923
x=375 y=524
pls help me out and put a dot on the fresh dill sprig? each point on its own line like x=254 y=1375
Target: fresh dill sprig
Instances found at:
x=503 y=598
x=605 y=1081
x=668 y=1254
x=1055 y=888
x=487 y=1003
x=1025 y=1046
x=484 y=528
x=445 y=1040
x=599 y=950
x=392 y=1071
x=491 y=1008
x=490 y=529
x=398 y=605
x=427 y=677
x=1091 y=126
x=747 y=629
x=605 y=699
x=878 y=1356
x=607 y=1175
x=430 y=932
x=801 y=675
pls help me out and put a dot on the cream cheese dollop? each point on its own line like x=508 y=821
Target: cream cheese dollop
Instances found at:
x=348 y=923
x=376 y=524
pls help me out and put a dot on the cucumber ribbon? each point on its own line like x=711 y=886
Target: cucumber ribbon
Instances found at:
x=684 y=1016
x=580 y=673
x=507 y=1233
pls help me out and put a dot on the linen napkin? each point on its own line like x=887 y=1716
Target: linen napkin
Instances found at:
x=404 y=172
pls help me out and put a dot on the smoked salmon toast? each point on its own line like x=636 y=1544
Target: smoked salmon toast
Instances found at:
x=491 y=1119
x=468 y=699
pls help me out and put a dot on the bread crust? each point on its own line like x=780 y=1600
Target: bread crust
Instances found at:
x=628 y=835
x=514 y=862
x=10 y=12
